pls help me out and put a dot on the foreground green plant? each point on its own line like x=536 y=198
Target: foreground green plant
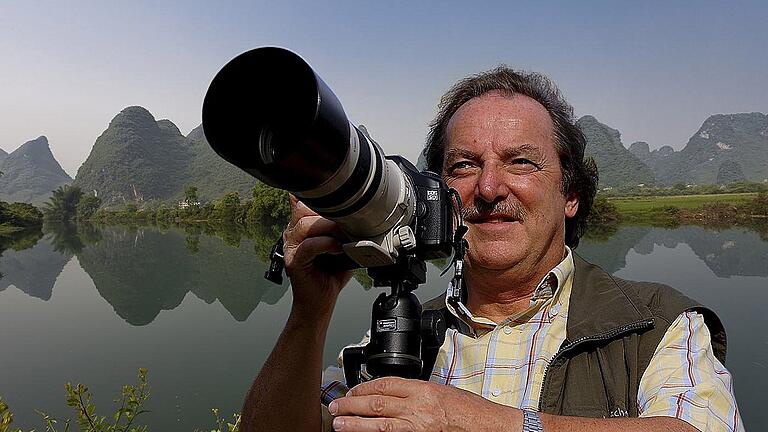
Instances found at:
x=224 y=426
x=131 y=402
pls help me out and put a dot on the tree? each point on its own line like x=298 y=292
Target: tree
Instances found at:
x=86 y=207
x=190 y=196
x=269 y=201
x=227 y=208
x=20 y=215
x=62 y=205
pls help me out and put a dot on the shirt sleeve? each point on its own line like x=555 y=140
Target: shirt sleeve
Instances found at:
x=685 y=380
x=333 y=384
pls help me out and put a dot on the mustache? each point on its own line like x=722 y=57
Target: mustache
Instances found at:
x=482 y=209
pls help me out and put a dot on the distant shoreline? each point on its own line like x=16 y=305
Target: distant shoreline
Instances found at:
x=716 y=210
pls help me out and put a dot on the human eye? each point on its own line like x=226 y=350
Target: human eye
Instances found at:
x=460 y=167
x=524 y=165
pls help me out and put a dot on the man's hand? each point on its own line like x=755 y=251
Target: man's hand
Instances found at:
x=307 y=236
x=402 y=405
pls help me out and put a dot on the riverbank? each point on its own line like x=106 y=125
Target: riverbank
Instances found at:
x=749 y=209
x=264 y=216
x=639 y=204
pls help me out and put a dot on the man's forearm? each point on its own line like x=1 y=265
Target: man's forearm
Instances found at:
x=285 y=394
x=400 y=405
x=581 y=424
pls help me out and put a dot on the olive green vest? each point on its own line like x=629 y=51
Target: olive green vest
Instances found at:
x=613 y=329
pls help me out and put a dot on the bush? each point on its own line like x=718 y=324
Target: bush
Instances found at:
x=759 y=205
x=602 y=212
x=130 y=407
x=20 y=215
x=87 y=207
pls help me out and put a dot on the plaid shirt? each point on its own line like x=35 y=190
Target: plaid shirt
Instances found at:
x=505 y=362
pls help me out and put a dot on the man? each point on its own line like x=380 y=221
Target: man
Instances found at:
x=543 y=340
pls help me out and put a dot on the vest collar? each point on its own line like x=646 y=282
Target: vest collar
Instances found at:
x=601 y=306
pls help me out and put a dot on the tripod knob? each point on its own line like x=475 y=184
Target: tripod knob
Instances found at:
x=405 y=238
x=432 y=328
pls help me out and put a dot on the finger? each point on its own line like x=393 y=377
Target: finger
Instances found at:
x=292 y=198
x=312 y=226
x=298 y=210
x=369 y=406
x=363 y=424
x=388 y=386
x=310 y=248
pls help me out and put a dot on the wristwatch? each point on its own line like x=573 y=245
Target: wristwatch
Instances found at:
x=532 y=421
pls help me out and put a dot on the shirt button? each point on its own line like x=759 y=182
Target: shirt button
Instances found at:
x=507 y=330
x=496 y=392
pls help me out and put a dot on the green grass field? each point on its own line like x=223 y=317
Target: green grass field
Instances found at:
x=639 y=205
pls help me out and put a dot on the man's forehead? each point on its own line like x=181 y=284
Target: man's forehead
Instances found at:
x=500 y=109
x=494 y=113
x=529 y=150
x=493 y=121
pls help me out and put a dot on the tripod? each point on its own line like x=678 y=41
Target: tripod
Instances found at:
x=404 y=341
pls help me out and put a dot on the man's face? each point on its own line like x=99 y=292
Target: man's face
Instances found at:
x=500 y=156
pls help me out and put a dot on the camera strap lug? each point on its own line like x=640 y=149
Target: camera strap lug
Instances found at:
x=276 y=263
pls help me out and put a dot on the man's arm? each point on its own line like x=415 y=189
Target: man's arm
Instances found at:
x=285 y=394
x=401 y=405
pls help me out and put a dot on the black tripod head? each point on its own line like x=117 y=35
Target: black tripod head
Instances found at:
x=404 y=341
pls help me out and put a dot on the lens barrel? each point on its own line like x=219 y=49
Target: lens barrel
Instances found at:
x=268 y=113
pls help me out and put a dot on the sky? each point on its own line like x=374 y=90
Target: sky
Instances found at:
x=654 y=70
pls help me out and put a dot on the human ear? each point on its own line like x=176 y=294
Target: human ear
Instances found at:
x=571 y=204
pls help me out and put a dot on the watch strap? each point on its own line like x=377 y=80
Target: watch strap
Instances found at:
x=532 y=421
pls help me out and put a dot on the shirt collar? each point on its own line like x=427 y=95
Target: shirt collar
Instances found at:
x=551 y=285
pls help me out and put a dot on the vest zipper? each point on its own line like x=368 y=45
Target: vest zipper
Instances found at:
x=601 y=336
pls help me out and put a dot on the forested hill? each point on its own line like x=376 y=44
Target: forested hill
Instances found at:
x=135 y=159
x=616 y=165
x=726 y=148
x=210 y=173
x=139 y=159
x=30 y=173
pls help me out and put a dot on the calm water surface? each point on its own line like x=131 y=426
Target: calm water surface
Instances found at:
x=195 y=310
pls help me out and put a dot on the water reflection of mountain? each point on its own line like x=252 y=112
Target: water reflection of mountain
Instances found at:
x=143 y=271
x=611 y=254
x=728 y=252
x=33 y=270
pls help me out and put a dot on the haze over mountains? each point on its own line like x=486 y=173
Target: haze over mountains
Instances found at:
x=140 y=159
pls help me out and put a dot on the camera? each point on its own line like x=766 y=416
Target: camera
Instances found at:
x=268 y=113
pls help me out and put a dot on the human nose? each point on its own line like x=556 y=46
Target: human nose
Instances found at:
x=491 y=185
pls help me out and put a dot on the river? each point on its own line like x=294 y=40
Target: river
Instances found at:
x=195 y=310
